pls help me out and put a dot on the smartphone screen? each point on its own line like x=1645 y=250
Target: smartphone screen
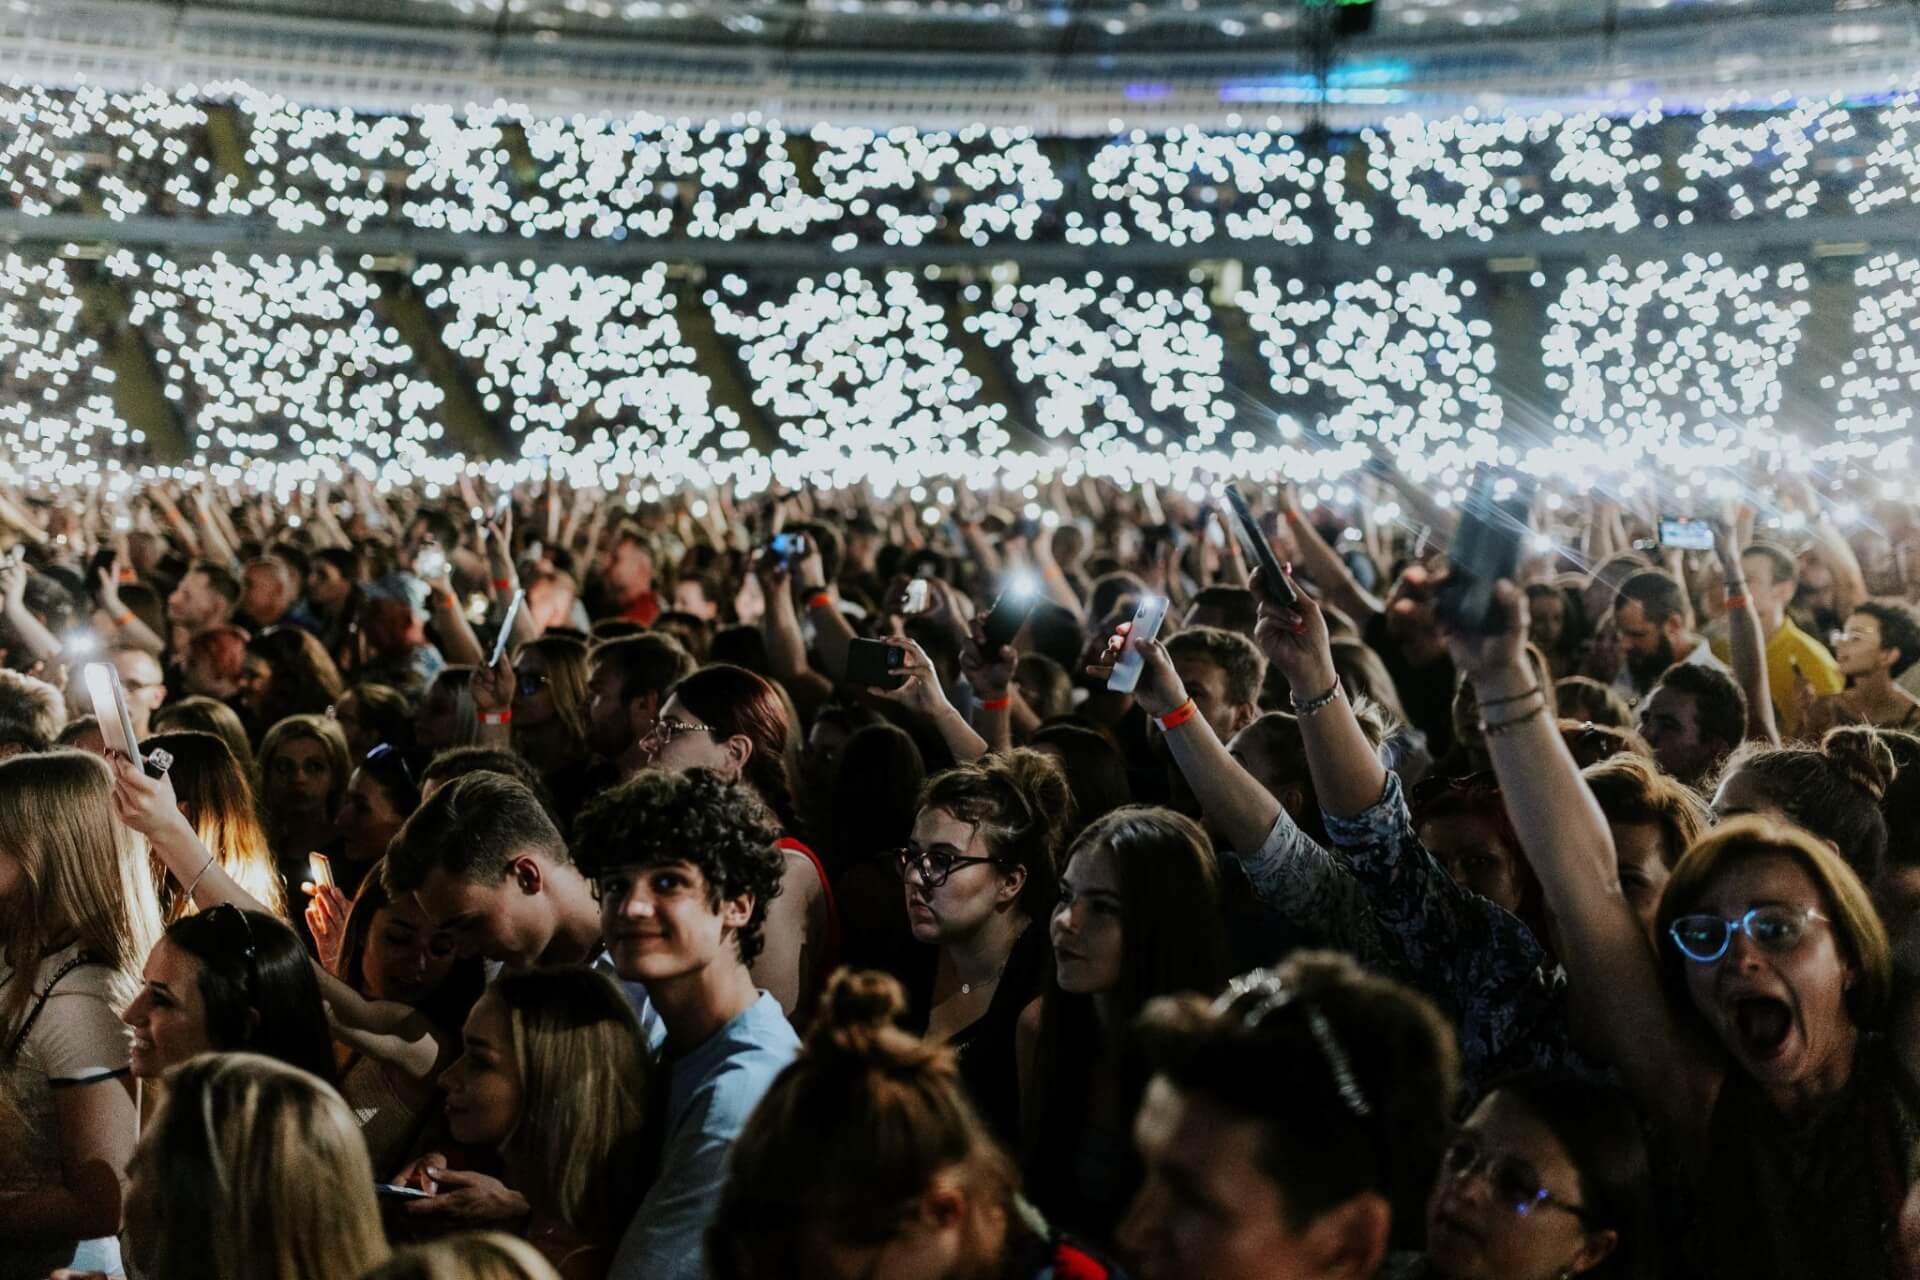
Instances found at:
x=1259 y=551
x=110 y=708
x=874 y=664
x=506 y=628
x=320 y=869
x=1146 y=625
x=1685 y=534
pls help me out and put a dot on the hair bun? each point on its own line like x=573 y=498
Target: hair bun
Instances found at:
x=857 y=1020
x=1859 y=753
x=1043 y=785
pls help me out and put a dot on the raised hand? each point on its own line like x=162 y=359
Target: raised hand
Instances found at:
x=990 y=674
x=1160 y=689
x=1294 y=638
x=327 y=921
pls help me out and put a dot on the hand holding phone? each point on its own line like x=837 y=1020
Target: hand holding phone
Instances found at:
x=110 y=708
x=875 y=664
x=1486 y=548
x=506 y=629
x=1258 y=550
x=1684 y=533
x=1147 y=620
x=320 y=869
x=431 y=564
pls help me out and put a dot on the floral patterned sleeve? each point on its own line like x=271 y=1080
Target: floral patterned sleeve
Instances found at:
x=1303 y=884
x=1485 y=969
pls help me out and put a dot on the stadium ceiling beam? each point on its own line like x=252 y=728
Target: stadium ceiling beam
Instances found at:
x=1820 y=235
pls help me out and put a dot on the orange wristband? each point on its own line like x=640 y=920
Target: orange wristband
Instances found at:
x=496 y=717
x=997 y=704
x=503 y=584
x=821 y=601
x=1178 y=716
x=125 y=617
x=1737 y=602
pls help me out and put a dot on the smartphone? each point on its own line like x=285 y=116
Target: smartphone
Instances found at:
x=875 y=664
x=1487 y=547
x=1259 y=551
x=501 y=507
x=1147 y=618
x=110 y=708
x=320 y=869
x=1683 y=533
x=393 y=1191
x=506 y=629
x=431 y=563
x=102 y=562
x=1008 y=615
x=789 y=549
x=919 y=596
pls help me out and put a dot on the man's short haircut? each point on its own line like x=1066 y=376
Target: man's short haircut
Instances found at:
x=1782 y=564
x=692 y=817
x=455 y=763
x=219 y=578
x=1719 y=704
x=280 y=569
x=34 y=706
x=1232 y=652
x=471 y=829
x=1899 y=630
x=1657 y=594
x=652 y=662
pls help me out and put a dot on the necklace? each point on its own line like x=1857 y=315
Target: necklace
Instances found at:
x=966 y=988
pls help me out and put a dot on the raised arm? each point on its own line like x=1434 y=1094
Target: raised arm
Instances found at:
x=399 y=1034
x=1745 y=642
x=1324 y=565
x=1347 y=773
x=1567 y=841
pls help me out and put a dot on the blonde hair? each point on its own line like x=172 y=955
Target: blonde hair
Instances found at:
x=332 y=740
x=217 y=796
x=253 y=1170
x=483 y=1256
x=83 y=874
x=583 y=1066
x=567 y=669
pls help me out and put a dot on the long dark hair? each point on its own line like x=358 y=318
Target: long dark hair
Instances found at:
x=305 y=681
x=267 y=1003
x=1172 y=941
x=733 y=701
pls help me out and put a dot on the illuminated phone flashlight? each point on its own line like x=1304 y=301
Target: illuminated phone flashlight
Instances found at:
x=1022 y=583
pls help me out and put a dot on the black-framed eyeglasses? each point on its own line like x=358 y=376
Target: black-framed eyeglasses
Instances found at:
x=934 y=869
x=249 y=950
x=1514 y=1181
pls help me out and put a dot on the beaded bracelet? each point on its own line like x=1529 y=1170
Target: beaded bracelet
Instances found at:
x=1177 y=717
x=1311 y=706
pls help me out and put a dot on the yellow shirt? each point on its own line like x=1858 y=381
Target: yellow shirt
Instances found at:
x=1817 y=668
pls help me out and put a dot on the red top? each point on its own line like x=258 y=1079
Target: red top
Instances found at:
x=644 y=609
x=830 y=957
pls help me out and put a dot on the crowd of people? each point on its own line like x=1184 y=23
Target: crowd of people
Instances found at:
x=526 y=884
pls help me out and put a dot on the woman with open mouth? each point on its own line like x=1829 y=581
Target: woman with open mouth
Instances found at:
x=1759 y=1039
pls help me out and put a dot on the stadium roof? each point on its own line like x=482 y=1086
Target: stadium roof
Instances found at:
x=1065 y=66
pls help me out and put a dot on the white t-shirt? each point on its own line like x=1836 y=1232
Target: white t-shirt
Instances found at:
x=78 y=1039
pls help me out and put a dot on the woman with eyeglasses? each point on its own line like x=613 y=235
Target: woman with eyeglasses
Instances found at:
x=251 y=1168
x=980 y=873
x=77 y=912
x=303 y=776
x=1291 y=1128
x=217 y=797
x=1763 y=1041
x=1138 y=916
x=287 y=673
x=1548 y=1179
x=225 y=980
x=735 y=723
x=867 y=1158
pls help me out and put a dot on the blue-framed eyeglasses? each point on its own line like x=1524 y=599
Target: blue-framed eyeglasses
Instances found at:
x=1703 y=939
